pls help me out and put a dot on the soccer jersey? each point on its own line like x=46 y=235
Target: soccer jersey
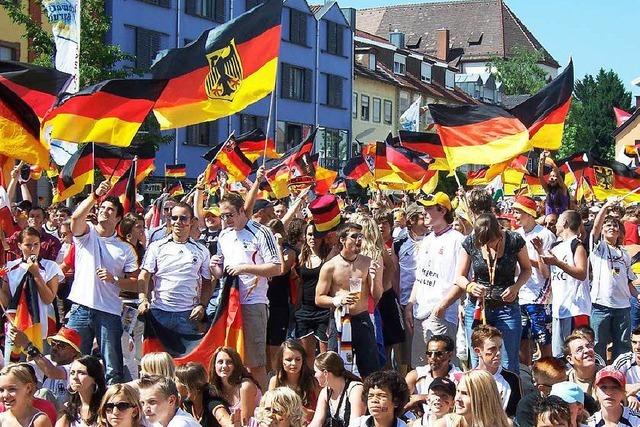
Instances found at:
x=570 y=296
x=627 y=363
x=536 y=290
x=612 y=273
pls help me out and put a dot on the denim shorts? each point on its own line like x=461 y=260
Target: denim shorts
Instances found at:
x=536 y=323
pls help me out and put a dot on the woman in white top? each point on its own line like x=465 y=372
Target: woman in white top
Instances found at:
x=340 y=401
x=46 y=273
x=17 y=385
x=87 y=387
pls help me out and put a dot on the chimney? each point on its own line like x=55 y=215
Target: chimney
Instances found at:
x=443 y=44
x=397 y=39
x=637 y=101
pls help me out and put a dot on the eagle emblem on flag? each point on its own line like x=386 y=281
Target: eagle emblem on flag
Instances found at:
x=604 y=176
x=225 y=73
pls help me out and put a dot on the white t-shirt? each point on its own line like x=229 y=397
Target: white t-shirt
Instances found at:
x=180 y=419
x=16 y=270
x=254 y=244
x=407 y=255
x=178 y=270
x=629 y=418
x=425 y=379
x=93 y=252
x=504 y=389
x=612 y=273
x=59 y=388
x=570 y=296
x=436 y=273
x=536 y=290
x=628 y=365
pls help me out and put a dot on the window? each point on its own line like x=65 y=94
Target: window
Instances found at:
x=203 y=134
x=332 y=145
x=449 y=79
x=399 y=64
x=334 y=38
x=376 y=109
x=388 y=111
x=354 y=105
x=290 y=134
x=334 y=91
x=296 y=83
x=147 y=46
x=404 y=101
x=9 y=51
x=364 y=107
x=249 y=122
x=425 y=72
x=297 y=27
x=210 y=9
x=161 y=3
x=372 y=61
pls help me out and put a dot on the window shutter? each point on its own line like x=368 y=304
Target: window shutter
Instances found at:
x=190 y=7
x=338 y=91
x=302 y=28
x=308 y=84
x=331 y=37
x=164 y=3
x=219 y=13
x=339 y=39
x=293 y=26
x=285 y=86
x=142 y=48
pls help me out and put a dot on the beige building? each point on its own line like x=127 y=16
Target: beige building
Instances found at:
x=13 y=46
x=628 y=133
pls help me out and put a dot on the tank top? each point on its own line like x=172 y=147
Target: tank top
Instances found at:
x=278 y=292
x=309 y=278
x=341 y=415
x=33 y=419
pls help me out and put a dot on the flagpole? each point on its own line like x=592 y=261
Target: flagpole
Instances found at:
x=165 y=177
x=93 y=165
x=266 y=135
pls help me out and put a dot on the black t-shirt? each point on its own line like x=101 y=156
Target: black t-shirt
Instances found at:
x=210 y=403
x=210 y=240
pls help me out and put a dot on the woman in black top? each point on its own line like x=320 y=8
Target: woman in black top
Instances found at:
x=312 y=321
x=494 y=254
x=198 y=398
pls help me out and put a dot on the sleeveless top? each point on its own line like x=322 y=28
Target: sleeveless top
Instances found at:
x=340 y=417
x=33 y=419
x=278 y=292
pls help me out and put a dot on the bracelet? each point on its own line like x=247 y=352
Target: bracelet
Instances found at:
x=468 y=287
x=32 y=351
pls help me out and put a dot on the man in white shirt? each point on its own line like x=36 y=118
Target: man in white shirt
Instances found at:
x=160 y=403
x=104 y=265
x=629 y=365
x=181 y=276
x=248 y=250
x=436 y=261
x=534 y=295
x=163 y=230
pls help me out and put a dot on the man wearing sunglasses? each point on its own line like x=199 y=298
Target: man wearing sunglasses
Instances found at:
x=163 y=230
x=181 y=278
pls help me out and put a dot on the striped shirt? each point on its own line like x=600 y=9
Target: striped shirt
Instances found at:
x=627 y=363
x=629 y=418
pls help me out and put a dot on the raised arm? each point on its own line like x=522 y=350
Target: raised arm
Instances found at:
x=252 y=194
x=596 y=230
x=79 y=218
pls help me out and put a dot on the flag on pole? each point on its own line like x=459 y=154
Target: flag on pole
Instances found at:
x=222 y=72
x=129 y=196
x=356 y=169
x=252 y=145
x=621 y=115
x=64 y=17
x=75 y=175
x=426 y=143
x=175 y=171
x=228 y=156
x=410 y=119
x=24 y=309
x=176 y=189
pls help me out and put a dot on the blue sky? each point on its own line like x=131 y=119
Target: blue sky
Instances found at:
x=598 y=34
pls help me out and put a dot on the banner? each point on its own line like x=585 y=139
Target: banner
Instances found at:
x=64 y=17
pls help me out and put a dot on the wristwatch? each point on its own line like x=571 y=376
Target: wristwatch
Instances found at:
x=32 y=351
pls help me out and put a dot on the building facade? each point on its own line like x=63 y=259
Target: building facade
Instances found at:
x=13 y=45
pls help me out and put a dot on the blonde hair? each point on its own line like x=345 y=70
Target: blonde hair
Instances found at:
x=486 y=407
x=284 y=401
x=21 y=372
x=129 y=394
x=158 y=363
x=372 y=244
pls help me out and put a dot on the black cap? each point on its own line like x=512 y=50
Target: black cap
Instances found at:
x=444 y=384
x=24 y=205
x=261 y=204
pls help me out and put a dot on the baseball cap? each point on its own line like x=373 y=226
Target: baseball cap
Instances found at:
x=68 y=336
x=414 y=209
x=261 y=204
x=439 y=198
x=213 y=210
x=613 y=374
x=527 y=205
x=445 y=384
x=568 y=391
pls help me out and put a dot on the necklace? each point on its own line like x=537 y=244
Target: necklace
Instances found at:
x=350 y=261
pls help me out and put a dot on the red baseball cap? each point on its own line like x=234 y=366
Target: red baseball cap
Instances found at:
x=617 y=376
x=68 y=336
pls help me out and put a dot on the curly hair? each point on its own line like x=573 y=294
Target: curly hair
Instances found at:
x=281 y=401
x=394 y=382
x=307 y=382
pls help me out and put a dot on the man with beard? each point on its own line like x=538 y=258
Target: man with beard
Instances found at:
x=557 y=200
x=338 y=284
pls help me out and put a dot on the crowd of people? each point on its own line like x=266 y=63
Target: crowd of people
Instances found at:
x=391 y=310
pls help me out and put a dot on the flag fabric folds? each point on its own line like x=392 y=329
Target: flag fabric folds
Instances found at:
x=324 y=179
x=406 y=163
x=426 y=143
x=410 y=119
x=611 y=178
x=356 y=169
x=225 y=330
x=175 y=171
x=25 y=308
x=252 y=145
x=222 y=72
x=176 y=189
x=479 y=134
x=228 y=157
x=75 y=175
x=544 y=113
x=128 y=199
x=339 y=186
x=110 y=112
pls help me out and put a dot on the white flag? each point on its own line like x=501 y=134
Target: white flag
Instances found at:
x=410 y=119
x=64 y=17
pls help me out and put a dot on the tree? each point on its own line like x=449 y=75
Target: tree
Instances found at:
x=590 y=124
x=519 y=74
x=98 y=60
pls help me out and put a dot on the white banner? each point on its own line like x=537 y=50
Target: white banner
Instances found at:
x=64 y=16
x=410 y=119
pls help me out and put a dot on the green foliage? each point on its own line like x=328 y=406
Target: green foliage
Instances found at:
x=519 y=74
x=591 y=122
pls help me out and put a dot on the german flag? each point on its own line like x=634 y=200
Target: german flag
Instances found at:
x=225 y=70
x=24 y=309
x=176 y=189
x=479 y=134
x=228 y=157
x=612 y=178
x=75 y=175
x=428 y=183
x=356 y=169
x=175 y=171
x=293 y=156
x=252 y=145
x=324 y=179
x=36 y=86
x=114 y=162
x=406 y=163
x=128 y=199
x=110 y=112
x=20 y=130
x=426 y=143
x=383 y=173
x=478 y=177
x=278 y=179
x=545 y=112
x=225 y=330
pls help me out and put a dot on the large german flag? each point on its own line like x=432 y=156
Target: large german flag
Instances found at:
x=406 y=163
x=426 y=143
x=110 y=112
x=479 y=134
x=37 y=86
x=24 y=308
x=356 y=169
x=75 y=175
x=610 y=178
x=545 y=112
x=252 y=144
x=227 y=156
x=225 y=70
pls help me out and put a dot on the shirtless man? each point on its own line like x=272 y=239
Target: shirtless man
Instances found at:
x=333 y=291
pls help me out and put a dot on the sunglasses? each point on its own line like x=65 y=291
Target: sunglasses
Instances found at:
x=436 y=353
x=181 y=218
x=356 y=236
x=122 y=406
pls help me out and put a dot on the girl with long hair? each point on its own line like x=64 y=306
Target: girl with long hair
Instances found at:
x=340 y=401
x=231 y=380
x=87 y=387
x=292 y=371
x=17 y=385
x=477 y=403
x=120 y=407
x=199 y=399
x=312 y=322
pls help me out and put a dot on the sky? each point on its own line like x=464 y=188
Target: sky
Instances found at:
x=596 y=33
